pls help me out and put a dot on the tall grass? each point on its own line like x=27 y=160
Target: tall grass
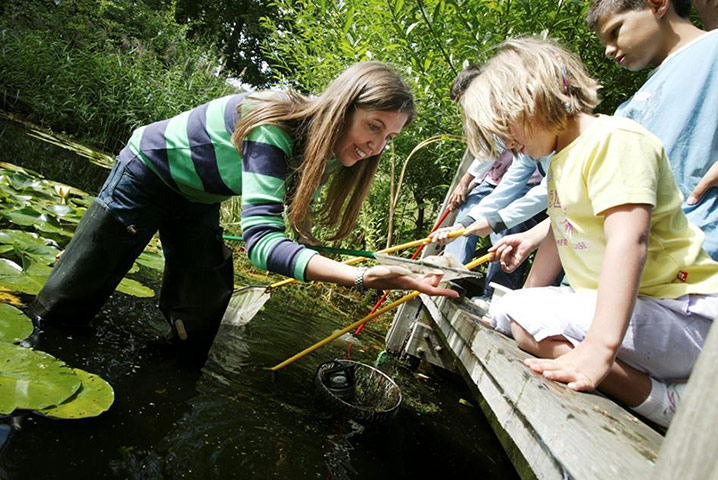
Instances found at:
x=99 y=90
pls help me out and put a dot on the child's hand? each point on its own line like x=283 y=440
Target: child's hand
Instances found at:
x=458 y=196
x=511 y=251
x=709 y=180
x=441 y=236
x=583 y=368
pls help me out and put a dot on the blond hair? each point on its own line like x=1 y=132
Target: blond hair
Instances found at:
x=316 y=124
x=530 y=81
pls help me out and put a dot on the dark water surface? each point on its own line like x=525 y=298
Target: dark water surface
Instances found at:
x=231 y=418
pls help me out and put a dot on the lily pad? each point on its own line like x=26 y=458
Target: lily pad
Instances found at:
x=96 y=396
x=14 y=277
x=150 y=259
x=14 y=325
x=135 y=288
x=28 y=216
x=33 y=380
x=30 y=245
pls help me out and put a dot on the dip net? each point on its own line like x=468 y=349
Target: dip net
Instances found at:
x=360 y=391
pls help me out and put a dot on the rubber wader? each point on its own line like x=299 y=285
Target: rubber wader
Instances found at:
x=193 y=300
x=100 y=253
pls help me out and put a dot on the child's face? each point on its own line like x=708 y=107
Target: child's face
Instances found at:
x=366 y=133
x=536 y=143
x=632 y=38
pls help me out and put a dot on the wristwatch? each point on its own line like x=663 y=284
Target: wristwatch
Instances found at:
x=359 y=279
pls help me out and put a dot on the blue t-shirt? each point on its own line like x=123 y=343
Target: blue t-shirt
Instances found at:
x=679 y=104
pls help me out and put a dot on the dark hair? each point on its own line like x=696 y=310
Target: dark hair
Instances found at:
x=599 y=8
x=462 y=81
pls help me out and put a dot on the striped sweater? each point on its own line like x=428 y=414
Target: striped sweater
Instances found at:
x=194 y=155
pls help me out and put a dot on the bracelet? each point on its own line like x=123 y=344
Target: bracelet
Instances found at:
x=359 y=279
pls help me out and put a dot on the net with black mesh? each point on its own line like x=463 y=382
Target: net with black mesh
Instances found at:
x=357 y=390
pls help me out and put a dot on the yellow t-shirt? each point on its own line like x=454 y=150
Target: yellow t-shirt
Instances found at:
x=617 y=162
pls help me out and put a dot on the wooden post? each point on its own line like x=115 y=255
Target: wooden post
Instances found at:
x=690 y=449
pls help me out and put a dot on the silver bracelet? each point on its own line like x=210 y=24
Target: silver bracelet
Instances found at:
x=359 y=279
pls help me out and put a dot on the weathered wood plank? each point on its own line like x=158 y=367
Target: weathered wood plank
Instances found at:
x=559 y=433
x=691 y=445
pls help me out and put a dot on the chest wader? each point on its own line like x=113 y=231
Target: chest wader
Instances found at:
x=193 y=301
x=100 y=253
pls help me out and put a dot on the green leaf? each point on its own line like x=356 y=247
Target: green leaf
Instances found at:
x=154 y=260
x=14 y=325
x=16 y=279
x=94 y=397
x=134 y=288
x=398 y=6
x=33 y=380
x=30 y=245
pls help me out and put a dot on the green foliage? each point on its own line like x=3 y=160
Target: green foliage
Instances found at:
x=99 y=70
x=53 y=210
x=14 y=325
x=94 y=397
x=234 y=27
x=429 y=41
x=33 y=380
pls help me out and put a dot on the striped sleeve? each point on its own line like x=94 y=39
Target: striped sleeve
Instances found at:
x=264 y=170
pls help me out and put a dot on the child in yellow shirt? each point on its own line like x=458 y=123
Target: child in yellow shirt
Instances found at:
x=642 y=292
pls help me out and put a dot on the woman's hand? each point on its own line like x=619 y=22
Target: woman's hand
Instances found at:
x=441 y=236
x=384 y=278
x=583 y=368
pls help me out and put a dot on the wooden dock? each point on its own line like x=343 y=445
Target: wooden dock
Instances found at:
x=548 y=431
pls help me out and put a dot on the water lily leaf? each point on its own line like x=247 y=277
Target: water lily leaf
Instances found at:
x=30 y=245
x=16 y=279
x=28 y=216
x=134 y=288
x=5 y=248
x=94 y=397
x=14 y=325
x=33 y=380
x=64 y=212
x=6 y=297
x=150 y=259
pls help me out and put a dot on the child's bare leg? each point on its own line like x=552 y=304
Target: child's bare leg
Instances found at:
x=624 y=383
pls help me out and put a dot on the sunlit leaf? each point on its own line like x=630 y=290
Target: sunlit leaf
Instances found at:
x=94 y=397
x=150 y=259
x=30 y=281
x=135 y=288
x=30 y=245
x=14 y=325
x=6 y=297
x=33 y=380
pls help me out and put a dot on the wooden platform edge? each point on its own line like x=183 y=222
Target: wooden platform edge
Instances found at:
x=547 y=430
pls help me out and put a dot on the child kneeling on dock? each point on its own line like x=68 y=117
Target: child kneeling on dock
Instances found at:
x=642 y=292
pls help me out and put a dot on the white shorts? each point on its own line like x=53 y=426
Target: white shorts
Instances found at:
x=663 y=339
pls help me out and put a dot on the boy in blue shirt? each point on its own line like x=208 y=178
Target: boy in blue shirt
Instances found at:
x=679 y=101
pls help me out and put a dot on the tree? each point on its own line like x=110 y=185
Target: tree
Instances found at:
x=235 y=28
x=429 y=41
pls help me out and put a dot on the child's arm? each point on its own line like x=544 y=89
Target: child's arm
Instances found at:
x=458 y=196
x=547 y=264
x=512 y=250
x=627 y=230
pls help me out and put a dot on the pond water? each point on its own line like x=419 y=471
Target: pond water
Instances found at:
x=230 y=417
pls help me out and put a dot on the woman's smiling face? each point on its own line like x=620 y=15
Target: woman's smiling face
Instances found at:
x=366 y=133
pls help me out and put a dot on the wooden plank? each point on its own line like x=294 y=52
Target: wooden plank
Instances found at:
x=559 y=433
x=689 y=450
